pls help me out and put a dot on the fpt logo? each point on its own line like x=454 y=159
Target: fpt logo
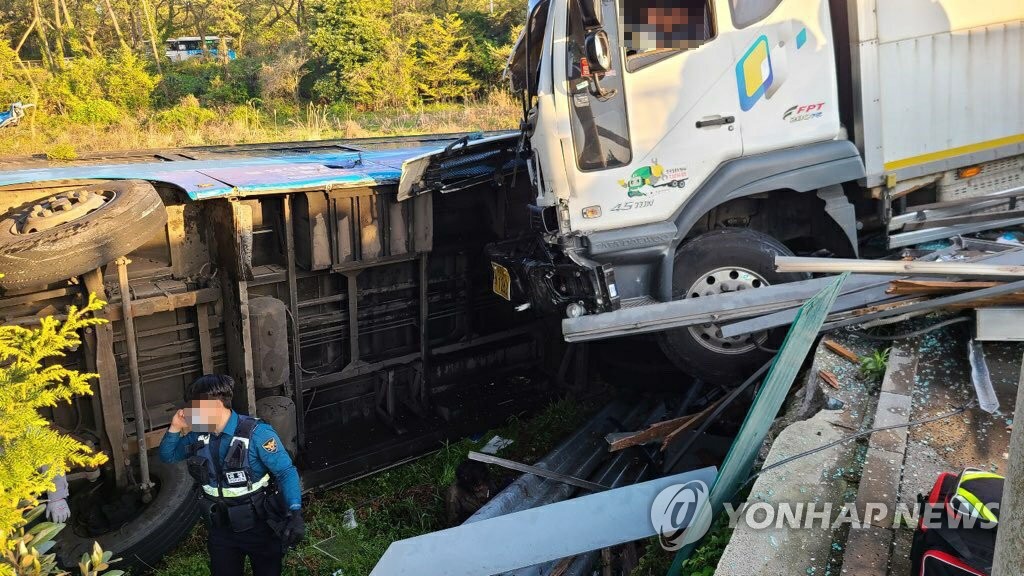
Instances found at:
x=677 y=514
x=804 y=112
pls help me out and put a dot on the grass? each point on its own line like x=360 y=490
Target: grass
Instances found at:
x=61 y=139
x=656 y=561
x=404 y=501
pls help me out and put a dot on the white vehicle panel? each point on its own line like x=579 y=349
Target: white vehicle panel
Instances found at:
x=774 y=80
x=801 y=105
x=906 y=19
x=939 y=85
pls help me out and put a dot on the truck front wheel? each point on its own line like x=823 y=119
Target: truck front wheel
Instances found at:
x=726 y=260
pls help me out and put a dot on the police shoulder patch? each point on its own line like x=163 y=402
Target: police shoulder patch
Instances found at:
x=270 y=445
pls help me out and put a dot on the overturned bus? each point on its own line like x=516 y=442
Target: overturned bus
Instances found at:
x=362 y=328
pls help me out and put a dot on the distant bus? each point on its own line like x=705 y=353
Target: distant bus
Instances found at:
x=186 y=47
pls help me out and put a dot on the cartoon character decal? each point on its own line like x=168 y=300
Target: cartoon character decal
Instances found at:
x=653 y=176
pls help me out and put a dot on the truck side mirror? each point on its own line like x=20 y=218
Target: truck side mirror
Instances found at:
x=593 y=16
x=599 y=51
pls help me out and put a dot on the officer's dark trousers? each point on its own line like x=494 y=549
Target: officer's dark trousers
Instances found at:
x=229 y=549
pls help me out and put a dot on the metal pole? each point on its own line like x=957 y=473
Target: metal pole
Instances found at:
x=133 y=370
x=1009 y=558
x=293 y=307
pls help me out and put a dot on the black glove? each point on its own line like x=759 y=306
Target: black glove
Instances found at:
x=294 y=529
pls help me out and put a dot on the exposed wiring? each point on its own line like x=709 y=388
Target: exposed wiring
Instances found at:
x=299 y=365
x=863 y=433
x=915 y=333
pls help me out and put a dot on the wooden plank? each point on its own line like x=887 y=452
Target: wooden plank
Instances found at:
x=835 y=265
x=910 y=287
x=157 y=304
x=666 y=430
x=653 y=432
x=699 y=417
x=205 y=341
x=102 y=349
x=932 y=304
x=841 y=350
x=829 y=378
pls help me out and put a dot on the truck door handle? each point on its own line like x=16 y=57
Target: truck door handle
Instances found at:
x=716 y=121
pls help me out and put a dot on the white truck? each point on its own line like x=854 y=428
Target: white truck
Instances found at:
x=792 y=126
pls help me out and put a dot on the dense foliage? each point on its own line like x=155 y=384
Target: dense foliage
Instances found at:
x=96 y=62
x=32 y=452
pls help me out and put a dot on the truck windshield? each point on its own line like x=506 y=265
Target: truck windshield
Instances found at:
x=516 y=70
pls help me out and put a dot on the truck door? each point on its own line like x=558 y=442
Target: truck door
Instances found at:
x=675 y=111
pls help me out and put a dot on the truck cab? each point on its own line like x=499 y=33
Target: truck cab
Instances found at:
x=675 y=148
x=712 y=124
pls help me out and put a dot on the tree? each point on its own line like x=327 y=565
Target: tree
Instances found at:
x=385 y=82
x=347 y=34
x=441 y=70
x=31 y=379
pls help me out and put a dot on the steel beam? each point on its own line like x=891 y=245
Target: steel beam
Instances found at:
x=962 y=298
x=138 y=407
x=295 y=391
x=717 y=308
x=541 y=534
x=205 y=342
x=538 y=471
x=929 y=234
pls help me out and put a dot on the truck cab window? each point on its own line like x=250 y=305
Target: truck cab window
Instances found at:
x=747 y=12
x=597 y=102
x=657 y=29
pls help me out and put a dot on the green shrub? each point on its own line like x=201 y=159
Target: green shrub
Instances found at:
x=62 y=152
x=187 y=115
x=214 y=83
x=873 y=367
x=78 y=80
x=126 y=81
x=94 y=112
x=99 y=91
x=14 y=87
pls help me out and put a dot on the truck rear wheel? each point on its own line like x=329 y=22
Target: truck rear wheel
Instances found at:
x=716 y=262
x=72 y=232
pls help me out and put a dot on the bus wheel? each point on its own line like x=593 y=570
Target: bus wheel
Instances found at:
x=122 y=522
x=73 y=232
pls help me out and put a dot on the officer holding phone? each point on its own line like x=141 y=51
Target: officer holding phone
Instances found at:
x=250 y=488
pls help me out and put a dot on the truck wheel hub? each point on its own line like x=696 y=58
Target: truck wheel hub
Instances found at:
x=60 y=209
x=721 y=281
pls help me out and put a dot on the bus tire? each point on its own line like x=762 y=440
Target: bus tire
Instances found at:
x=144 y=540
x=73 y=232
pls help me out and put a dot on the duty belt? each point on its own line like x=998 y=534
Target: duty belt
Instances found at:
x=237 y=492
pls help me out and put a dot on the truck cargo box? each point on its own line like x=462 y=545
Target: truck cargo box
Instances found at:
x=936 y=84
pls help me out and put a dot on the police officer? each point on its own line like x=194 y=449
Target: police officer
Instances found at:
x=250 y=488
